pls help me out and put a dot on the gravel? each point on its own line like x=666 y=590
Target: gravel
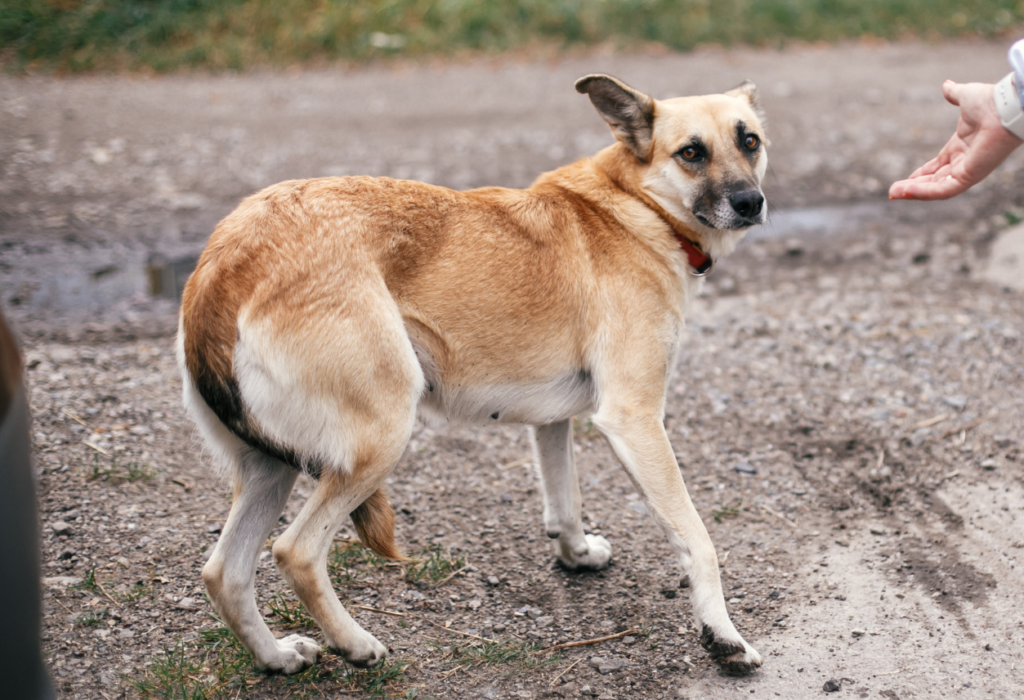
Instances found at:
x=865 y=383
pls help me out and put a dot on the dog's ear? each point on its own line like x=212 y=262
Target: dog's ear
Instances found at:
x=748 y=91
x=629 y=113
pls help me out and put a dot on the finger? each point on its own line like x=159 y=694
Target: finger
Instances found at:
x=951 y=91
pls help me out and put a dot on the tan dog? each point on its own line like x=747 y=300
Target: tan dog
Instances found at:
x=324 y=312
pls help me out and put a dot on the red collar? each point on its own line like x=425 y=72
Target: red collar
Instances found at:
x=700 y=262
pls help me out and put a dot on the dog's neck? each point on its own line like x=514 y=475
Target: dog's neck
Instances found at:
x=692 y=242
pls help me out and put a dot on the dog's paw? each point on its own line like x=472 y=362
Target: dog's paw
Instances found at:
x=294 y=654
x=593 y=553
x=735 y=656
x=362 y=650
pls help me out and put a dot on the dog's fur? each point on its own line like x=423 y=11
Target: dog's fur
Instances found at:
x=324 y=312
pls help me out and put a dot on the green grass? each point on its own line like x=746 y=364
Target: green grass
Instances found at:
x=434 y=565
x=88 y=582
x=519 y=654
x=290 y=613
x=352 y=564
x=731 y=510
x=163 y=35
x=91 y=618
x=115 y=472
x=215 y=666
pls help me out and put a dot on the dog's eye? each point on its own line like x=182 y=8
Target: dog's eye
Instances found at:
x=689 y=153
x=751 y=142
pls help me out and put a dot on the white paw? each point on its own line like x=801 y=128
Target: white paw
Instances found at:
x=595 y=555
x=731 y=652
x=294 y=654
x=362 y=650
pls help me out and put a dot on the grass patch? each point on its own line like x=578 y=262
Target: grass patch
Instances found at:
x=117 y=473
x=732 y=510
x=350 y=563
x=215 y=666
x=173 y=675
x=520 y=654
x=88 y=582
x=139 y=590
x=91 y=618
x=435 y=565
x=290 y=613
x=163 y=35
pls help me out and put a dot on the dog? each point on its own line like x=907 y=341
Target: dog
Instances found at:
x=324 y=313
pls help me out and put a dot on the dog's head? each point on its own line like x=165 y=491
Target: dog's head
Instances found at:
x=701 y=159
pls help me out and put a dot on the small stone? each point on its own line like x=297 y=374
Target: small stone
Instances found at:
x=745 y=468
x=587 y=691
x=534 y=613
x=609 y=664
x=500 y=627
x=545 y=621
x=629 y=639
x=957 y=402
x=125 y=634
x=187 y=604
x=669 y=593
x=989 y=465
x=493 y=580
x=489 y=693
x=213 y=528
x=858 y=633
x=61 y=581
x=61 y=528
x=506 y=498
x=831 y=686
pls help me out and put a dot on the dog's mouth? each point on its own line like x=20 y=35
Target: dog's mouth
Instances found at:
x=734 y=225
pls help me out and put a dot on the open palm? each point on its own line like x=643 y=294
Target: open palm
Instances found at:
x=979 y=145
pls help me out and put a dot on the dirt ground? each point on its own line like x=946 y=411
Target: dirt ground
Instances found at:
x=847 y=411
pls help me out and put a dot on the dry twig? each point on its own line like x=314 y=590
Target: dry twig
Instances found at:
x=104 y=592
x=518 y=463
x=571 y=666
x=96 y=447
x=587 y=642
x=780 y=516
x=962 y=429
x=931 y=421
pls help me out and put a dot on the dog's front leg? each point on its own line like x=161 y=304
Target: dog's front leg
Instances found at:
x=562 y=501
x=639 y=440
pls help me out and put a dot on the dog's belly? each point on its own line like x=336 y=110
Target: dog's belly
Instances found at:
x=535 y=403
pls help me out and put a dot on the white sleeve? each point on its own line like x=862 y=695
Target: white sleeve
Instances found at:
x=1017 y=63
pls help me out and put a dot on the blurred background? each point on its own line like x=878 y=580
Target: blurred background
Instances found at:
x=164 y=35
x=130 y=128
x=847 y=331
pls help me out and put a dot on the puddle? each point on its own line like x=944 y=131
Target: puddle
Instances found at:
x=67 y=281
x=848 y=218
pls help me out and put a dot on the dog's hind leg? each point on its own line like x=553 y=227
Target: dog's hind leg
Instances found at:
x=301 y=555
x=562 y=501
x=262 y=485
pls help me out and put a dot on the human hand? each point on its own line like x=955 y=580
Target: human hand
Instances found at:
x=980 y=144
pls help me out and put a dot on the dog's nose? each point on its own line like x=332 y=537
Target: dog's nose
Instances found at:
x=747 y=203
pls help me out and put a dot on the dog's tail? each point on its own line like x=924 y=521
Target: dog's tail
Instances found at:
x=374 y=520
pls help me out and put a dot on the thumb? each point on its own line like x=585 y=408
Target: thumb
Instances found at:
x=951 y=91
